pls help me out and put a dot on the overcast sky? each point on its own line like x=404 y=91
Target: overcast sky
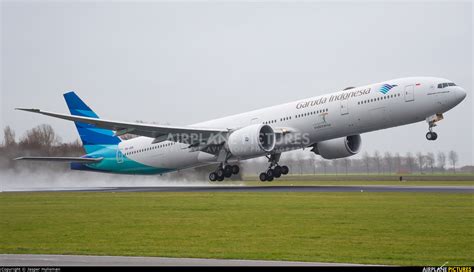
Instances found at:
x=181 y=63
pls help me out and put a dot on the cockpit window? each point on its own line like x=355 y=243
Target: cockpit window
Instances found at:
x=444 y=85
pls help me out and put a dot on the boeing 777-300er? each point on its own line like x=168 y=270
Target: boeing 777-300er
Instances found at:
x=329 y=124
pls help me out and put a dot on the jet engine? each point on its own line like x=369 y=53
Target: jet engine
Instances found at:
x=253 y=140
x=338 y=148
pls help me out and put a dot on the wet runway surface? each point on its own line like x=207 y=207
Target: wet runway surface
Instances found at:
x=76 y=260
x=262 y=189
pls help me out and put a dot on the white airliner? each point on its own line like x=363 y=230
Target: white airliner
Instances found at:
x=330 y=124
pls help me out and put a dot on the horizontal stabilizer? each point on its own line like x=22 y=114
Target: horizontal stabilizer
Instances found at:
x=61 y=159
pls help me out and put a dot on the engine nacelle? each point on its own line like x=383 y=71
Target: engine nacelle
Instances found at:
x=252 y=140
x=338 y=148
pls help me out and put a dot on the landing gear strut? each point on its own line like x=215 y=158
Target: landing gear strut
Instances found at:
x=274 y=170
x=431 y=135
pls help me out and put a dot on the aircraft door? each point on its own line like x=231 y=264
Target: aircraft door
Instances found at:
x=409 y=93
x=119 y=156
x=344 y=107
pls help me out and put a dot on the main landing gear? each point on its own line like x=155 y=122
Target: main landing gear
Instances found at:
x=273 y=173
x=223 y=172
x=274 y=170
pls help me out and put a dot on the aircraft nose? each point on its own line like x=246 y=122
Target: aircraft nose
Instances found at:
x=461 y=94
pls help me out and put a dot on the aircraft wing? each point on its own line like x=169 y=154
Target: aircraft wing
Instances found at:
x=61 y=159
x=186 y=134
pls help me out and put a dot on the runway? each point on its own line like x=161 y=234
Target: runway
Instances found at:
x=77 y=260
x=262 y=189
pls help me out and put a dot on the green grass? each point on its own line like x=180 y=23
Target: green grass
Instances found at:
x=296 y=182
x=375 y=228
x=364 y=179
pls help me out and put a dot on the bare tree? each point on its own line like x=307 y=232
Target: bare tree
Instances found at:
x=313 y=161
x=377 y=160
x=335 y=164
x=40 y=137
x=366 y=160
x=453 y=159
x=441 y=160
x=9 y=137
x=300 y=166
x=410 y=161
x=293 y=164
x=398 y=162
x=347 y=164
x=388 y=159
x=324 y=165
x=421 y=161
x=430 y=161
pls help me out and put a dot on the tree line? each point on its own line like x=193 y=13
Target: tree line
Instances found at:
x=375 y=163
x=38 y=141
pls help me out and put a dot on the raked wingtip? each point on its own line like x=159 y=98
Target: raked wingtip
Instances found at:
x=26 y=109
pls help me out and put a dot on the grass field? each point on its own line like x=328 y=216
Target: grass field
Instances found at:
x=295 y=182
x=372 y=228
x=364 y=179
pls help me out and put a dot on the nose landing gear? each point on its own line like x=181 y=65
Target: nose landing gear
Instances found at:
x=431 y=136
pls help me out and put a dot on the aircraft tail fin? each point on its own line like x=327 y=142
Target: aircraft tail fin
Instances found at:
x=92 y=137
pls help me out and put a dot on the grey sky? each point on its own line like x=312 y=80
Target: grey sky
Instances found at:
x=182 y=63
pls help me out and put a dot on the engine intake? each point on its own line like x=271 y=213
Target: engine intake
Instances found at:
x=338 y=148
x=253 y=140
